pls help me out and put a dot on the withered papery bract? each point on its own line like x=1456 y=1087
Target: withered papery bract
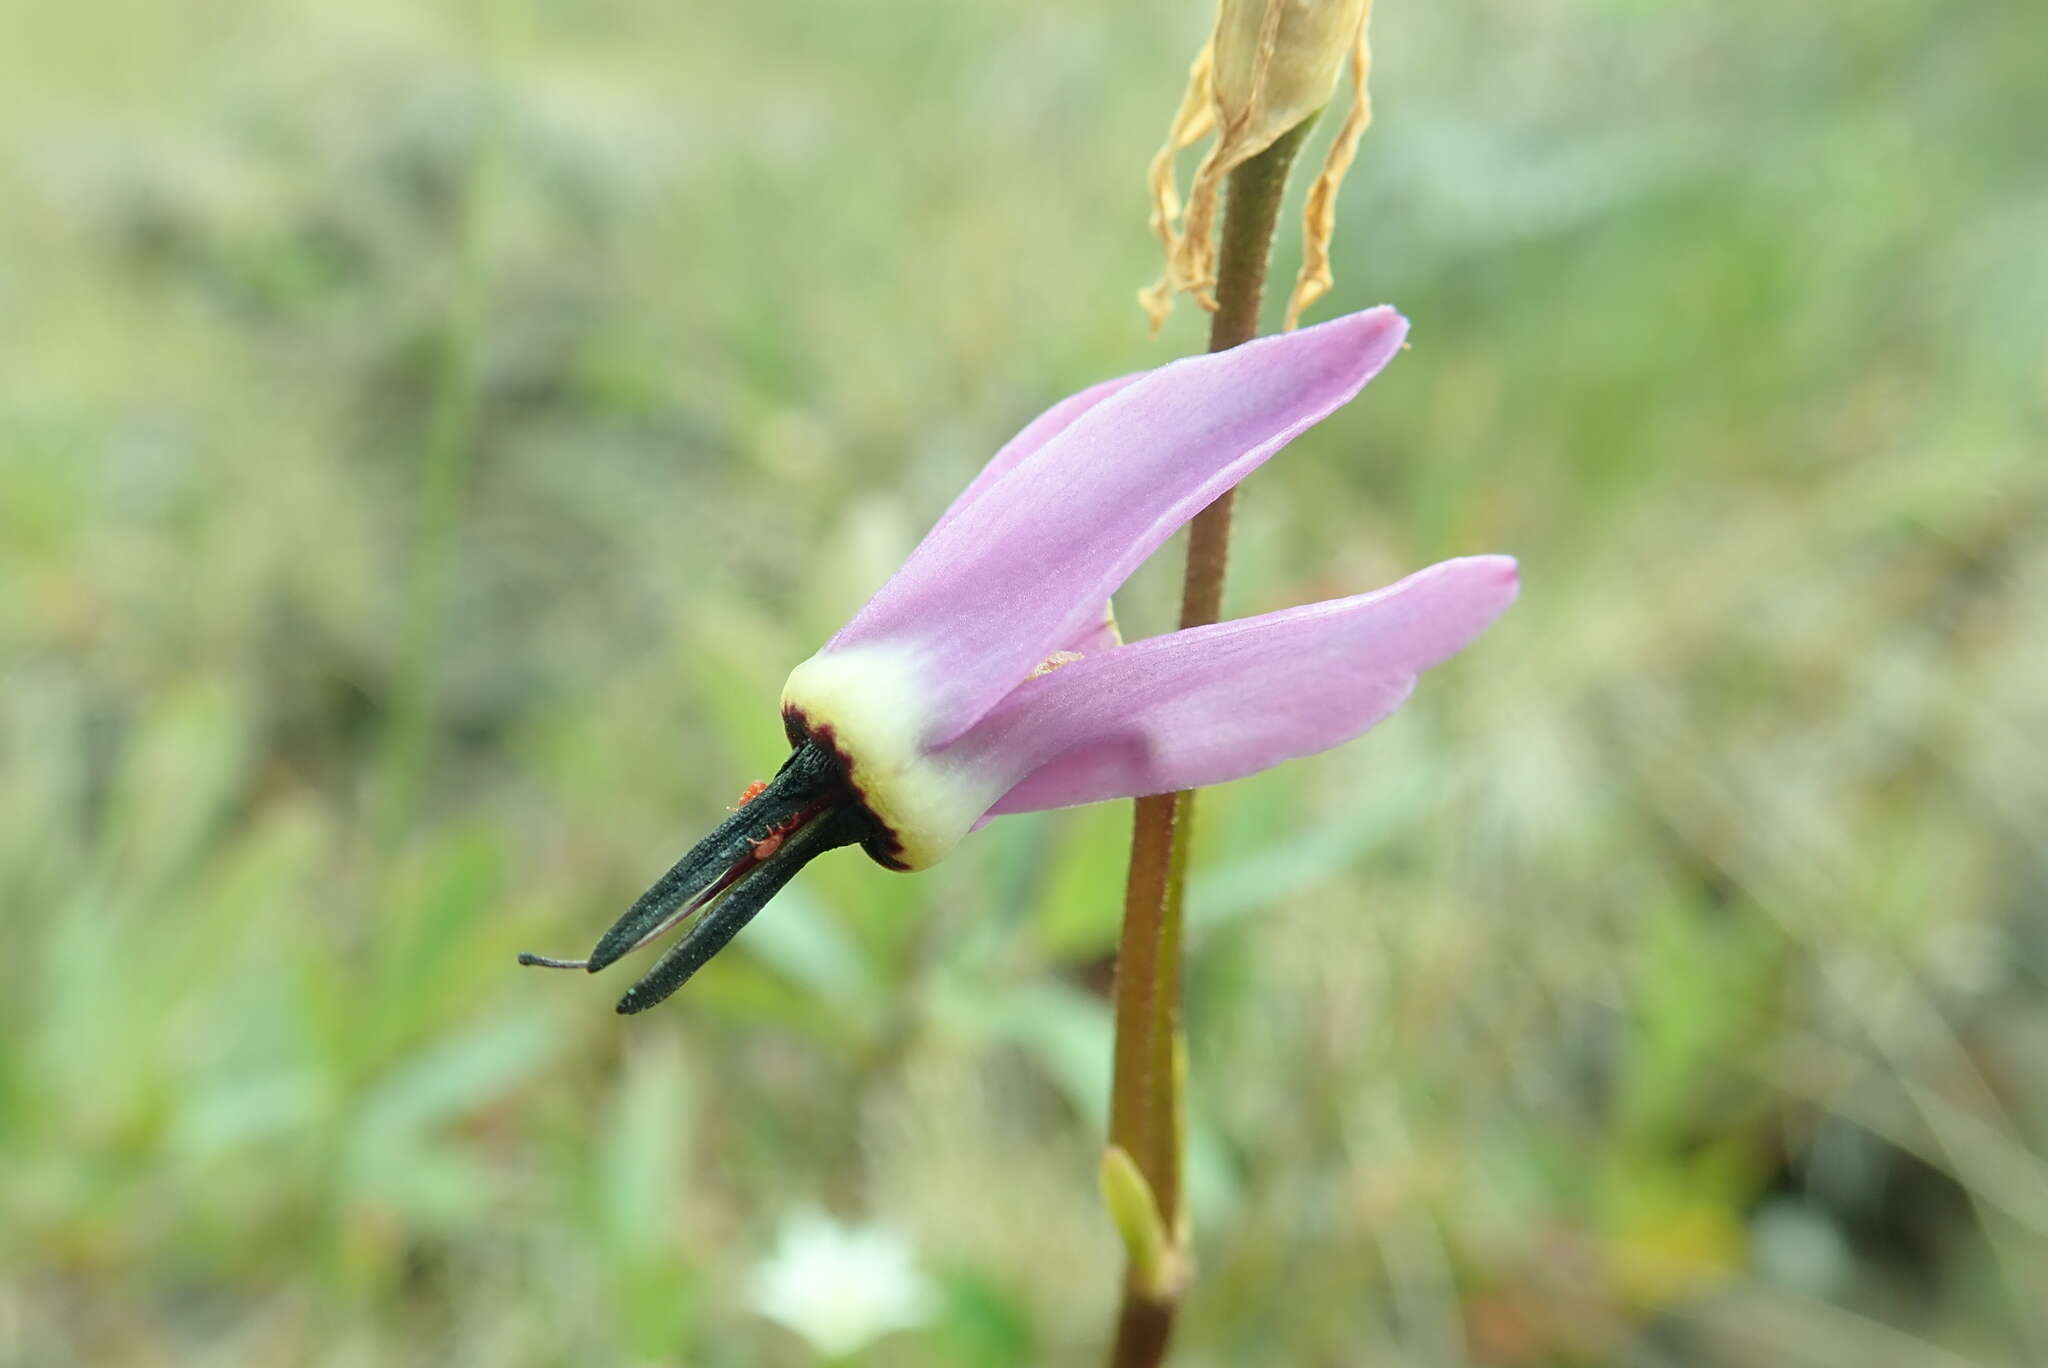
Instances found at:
x=1268 y=66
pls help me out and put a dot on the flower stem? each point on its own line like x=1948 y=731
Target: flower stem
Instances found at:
x=1146 y=1103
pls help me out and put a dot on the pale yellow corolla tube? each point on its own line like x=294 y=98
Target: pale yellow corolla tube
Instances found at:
x=1268 y=65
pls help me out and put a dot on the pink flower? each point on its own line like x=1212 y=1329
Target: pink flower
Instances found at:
x=986 y=677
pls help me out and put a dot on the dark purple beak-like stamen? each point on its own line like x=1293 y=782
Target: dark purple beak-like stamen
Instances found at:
x=807 y=809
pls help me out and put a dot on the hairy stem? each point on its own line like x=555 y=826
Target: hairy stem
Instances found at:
x=1145 y=1101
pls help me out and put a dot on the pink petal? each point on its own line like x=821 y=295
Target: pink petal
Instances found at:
x=1098 y=635
x=1031 y=437
x=1212 y=704
x=1024 y=562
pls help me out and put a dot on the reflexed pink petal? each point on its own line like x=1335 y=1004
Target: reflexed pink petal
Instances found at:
x=1098 y=636
x=1031 y=437
x=1216 y=703
x=1025 y=562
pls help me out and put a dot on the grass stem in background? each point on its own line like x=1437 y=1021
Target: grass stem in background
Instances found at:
x=445 y=459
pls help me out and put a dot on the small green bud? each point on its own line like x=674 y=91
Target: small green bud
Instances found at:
x=1158 y=1263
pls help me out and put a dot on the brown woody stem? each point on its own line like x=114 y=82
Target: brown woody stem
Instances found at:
x=1145 y=1101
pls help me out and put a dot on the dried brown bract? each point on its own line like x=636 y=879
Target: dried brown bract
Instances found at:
x=1268 y=66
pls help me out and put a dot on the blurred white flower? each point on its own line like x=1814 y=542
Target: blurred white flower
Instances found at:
x=840 y=1287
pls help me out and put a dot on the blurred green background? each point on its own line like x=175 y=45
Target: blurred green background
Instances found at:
x=429 y=434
